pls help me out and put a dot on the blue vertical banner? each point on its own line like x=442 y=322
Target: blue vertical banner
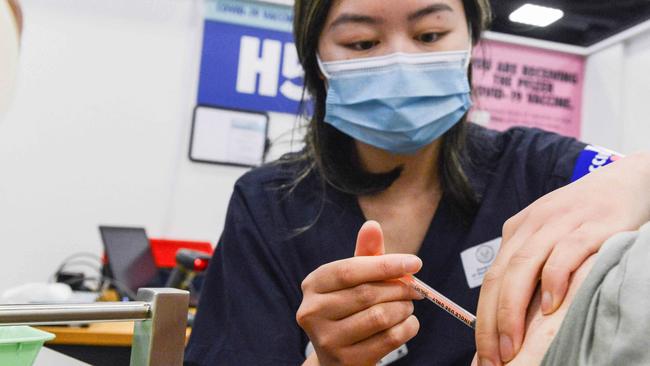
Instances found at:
x=249 y=60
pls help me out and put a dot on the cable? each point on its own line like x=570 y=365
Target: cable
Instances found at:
x=73 y=281
x=81 y=262
x=83 y=255
x=76 y=262
x=77 y=257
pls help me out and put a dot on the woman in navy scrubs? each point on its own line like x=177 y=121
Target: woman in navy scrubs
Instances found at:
x=388 y=142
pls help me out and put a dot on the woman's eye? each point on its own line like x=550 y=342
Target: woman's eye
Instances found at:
x=363 y=45
x=428 y=37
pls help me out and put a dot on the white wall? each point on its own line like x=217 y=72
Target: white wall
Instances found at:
x=636 y=94
x=99 y=129
x=99 y=132
x=617 y=96
x=602 y=105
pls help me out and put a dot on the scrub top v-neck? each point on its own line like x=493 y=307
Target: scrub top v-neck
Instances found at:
x=273 y=239
x=433 y=226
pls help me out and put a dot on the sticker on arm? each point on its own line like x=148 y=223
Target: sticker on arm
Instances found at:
x=592 y=158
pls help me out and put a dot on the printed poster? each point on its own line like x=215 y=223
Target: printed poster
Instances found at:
x=524 y=86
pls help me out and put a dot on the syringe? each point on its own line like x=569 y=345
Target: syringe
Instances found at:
x=439 y=299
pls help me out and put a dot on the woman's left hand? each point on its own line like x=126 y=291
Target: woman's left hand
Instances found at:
x=552 y=237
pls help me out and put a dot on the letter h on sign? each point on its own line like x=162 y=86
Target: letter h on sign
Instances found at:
x=267 y=65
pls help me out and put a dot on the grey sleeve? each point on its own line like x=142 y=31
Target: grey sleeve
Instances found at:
x=608 y=322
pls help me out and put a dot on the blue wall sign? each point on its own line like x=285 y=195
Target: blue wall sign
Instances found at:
x=249 y=60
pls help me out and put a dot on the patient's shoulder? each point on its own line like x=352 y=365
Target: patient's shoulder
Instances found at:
x=541 y=329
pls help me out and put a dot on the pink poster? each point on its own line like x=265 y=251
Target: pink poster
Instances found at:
x=524 y=86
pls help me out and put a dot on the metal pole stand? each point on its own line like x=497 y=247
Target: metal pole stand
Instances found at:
x=160 y=340
x=160 y=316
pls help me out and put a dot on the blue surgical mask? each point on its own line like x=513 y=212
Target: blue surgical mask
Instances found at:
x=399 y=102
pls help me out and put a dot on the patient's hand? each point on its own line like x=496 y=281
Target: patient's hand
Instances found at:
x=541 y=329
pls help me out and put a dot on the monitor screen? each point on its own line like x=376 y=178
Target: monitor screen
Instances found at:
x=129 y=257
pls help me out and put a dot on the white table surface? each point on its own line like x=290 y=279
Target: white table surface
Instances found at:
x=48 y=357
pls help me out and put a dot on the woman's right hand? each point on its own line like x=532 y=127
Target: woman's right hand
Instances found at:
x=355 y=311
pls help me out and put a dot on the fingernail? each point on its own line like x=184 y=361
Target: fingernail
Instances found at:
x=485 y=362
x=418 y=295
x=412 y=264
x=547 y=303
x=505 y=345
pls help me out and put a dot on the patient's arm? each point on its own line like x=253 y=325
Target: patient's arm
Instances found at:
x=541 y=329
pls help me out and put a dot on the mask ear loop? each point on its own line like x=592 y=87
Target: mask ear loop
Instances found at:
x=321 y=66
x=470 y=48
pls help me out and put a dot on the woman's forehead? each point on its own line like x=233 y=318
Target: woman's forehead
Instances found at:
x=391 y=11
x=391 y=7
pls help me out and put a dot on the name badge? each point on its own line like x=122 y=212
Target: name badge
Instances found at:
x=477 y=260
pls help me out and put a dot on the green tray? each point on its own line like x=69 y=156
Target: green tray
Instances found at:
x=19 y=345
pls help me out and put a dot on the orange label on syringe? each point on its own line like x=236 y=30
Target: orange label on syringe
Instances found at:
x=439 y=299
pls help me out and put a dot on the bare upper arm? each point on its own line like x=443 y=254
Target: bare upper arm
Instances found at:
x=541 y=329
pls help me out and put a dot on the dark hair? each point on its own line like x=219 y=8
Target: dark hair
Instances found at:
x=333 y=154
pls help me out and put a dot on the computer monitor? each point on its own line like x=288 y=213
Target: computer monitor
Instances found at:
x=130 y=261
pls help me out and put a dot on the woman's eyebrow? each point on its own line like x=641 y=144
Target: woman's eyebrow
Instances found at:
x=431 y=9
x=347 y=18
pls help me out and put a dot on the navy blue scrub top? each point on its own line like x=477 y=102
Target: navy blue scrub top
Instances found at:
x=252 y=290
